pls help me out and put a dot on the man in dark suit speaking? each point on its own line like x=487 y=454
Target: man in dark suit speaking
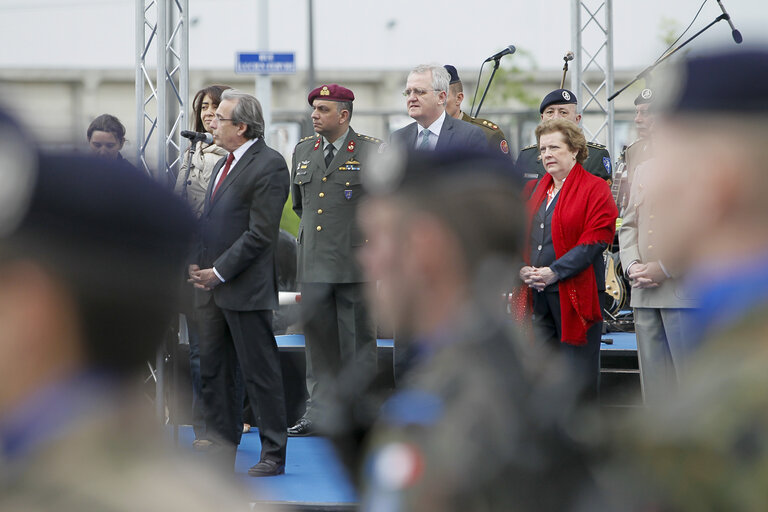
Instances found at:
x=426 y=91
x=236 y=278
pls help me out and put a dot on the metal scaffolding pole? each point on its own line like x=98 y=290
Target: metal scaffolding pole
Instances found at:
x=162 y=27
x=592 y=42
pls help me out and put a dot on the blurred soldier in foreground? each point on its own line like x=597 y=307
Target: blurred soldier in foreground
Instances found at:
x=89 y=257
x=496 y=139
x=562 y=103
x=474 y=426
x=707 y=447
x=326 y=172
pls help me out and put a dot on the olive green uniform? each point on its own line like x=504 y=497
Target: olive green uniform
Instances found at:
x=598 y=162
x=337 y=323
x=460 y=433
x=496 y=139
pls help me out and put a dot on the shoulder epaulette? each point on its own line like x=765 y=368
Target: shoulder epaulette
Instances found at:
x=595 y=145
x=484 y=122
x=532 y=146
x=370 y=139
x=305 y=139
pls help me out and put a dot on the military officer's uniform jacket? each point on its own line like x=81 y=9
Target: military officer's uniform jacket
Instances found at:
x=326 y=201
x=598 y=162
x=635 y=154
x=496 y=139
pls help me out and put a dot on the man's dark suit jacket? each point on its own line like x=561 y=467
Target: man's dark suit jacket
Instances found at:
x=240 y=228
x=454 y=133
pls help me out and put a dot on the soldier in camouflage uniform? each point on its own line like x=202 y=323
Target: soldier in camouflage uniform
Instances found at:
x=326 y=173
x=706 y=447
x=473 y=425
x=562 y=103
x=496 y=139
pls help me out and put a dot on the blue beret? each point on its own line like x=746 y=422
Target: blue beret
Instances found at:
x=645 y=96
x=454 y=74
x=732 y=81
x=557 y=97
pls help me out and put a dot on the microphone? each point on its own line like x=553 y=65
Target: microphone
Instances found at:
x=509 y=50
x=735 y=33
x=568 y=56
x=197 y=137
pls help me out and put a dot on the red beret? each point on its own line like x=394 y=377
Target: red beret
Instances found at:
x=333 y=92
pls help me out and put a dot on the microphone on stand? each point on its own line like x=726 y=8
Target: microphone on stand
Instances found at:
x=197 y=137
x=735 y=33
x=509 y=50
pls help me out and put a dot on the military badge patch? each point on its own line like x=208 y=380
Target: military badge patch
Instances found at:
x=317 y=144
x=566 y=96
x=351 y=146
x=348 y=194
x=504 y=147
x=302 y=165
x=607 y=164
x=324 y=91
x=350 y=165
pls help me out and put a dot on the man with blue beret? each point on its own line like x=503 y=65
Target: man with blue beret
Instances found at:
x=90 y=254
x=327 y=170
x=496 y=139
x=704 y=448
x=473 y=425
x=562 y=103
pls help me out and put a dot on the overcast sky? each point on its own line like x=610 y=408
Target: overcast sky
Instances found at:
x=357 y=34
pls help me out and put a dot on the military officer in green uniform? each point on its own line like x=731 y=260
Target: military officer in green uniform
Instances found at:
x=562 y=103
x=496 y=139
x=326 y=186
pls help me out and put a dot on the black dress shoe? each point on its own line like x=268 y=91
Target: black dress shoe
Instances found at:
x=267 y=467
x=303 y=427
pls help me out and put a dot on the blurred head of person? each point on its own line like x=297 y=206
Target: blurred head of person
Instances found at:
x=238 y=119
x=204 y=106
x=713 y=158
x=560 y=104
x=644 y=115
x=455 y=93
x=440 y=236
x=331 y=110
x=106 y=136
x=562 y=144
x=425 y=93
x=89 y=261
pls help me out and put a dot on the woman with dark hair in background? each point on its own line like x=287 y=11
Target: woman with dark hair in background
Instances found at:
x=191 y=185
x=106 y=136
x=571 y=220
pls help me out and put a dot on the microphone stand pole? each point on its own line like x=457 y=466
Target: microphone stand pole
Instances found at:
x=488 y=85
x=664 y=57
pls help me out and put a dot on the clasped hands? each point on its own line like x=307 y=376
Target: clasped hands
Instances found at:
x=646 y=275
x=537 y=278
x=203 y=278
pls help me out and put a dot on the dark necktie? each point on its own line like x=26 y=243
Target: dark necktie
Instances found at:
x=329 y=156
x=224 y=173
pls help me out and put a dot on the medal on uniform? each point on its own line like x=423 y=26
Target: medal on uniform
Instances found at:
x=348 y=194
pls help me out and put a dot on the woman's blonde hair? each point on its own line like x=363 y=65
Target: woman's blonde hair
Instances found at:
x=572 y=134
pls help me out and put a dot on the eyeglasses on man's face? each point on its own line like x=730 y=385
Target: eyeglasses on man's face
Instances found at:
x=417 y=91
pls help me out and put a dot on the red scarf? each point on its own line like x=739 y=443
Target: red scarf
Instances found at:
x=584 y=214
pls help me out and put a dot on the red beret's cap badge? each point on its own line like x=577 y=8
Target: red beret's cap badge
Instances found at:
x=324 y=91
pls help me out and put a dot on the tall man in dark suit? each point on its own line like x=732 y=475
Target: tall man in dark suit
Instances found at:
x=236 y=275
x=426 y=91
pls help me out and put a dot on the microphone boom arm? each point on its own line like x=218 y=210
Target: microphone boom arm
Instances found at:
x=667 y=55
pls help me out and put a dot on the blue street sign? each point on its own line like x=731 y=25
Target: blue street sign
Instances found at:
x=266 y=63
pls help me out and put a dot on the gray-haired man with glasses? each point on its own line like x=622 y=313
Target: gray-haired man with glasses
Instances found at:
x=425 y=92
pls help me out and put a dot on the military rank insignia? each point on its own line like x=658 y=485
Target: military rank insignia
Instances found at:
x=348 y=194
x=504 y=147
x=351 y=146
x=324 y=91
x=302 y=165
x=350 y=165
x=317 y=144
x=607 y=164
